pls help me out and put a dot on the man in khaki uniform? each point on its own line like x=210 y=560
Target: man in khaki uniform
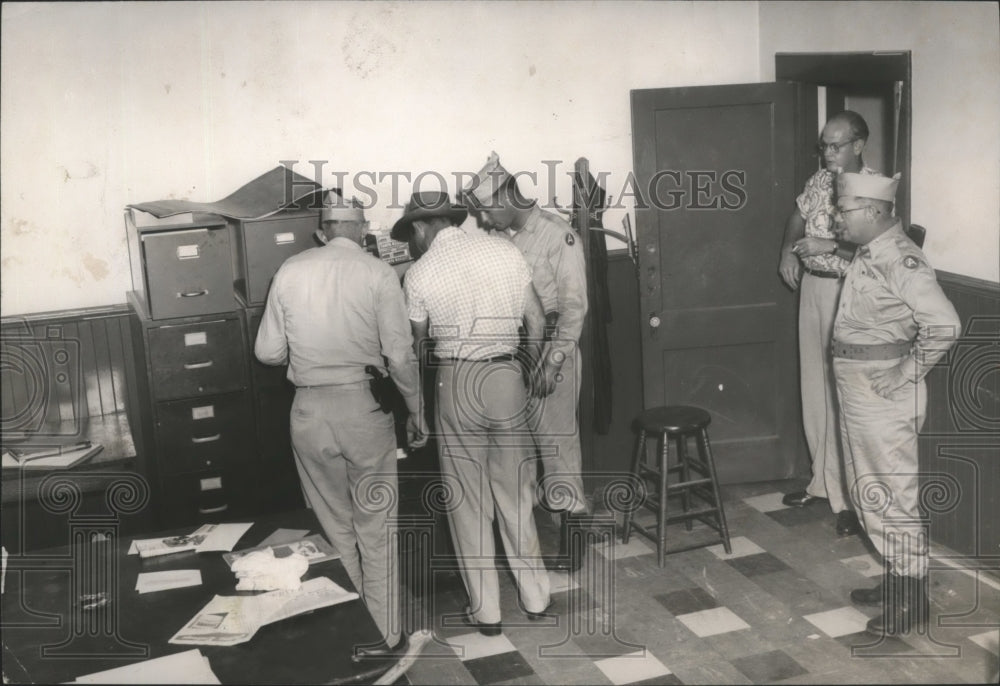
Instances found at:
x=893 y=323
x=331 y=312
x=813 y=261
x=558 y=272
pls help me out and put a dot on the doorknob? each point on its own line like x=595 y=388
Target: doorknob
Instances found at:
x=654 y=321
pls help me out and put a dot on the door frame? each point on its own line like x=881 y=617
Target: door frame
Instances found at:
x=840 y=70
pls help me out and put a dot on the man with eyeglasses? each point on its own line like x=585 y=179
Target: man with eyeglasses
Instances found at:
x=893 y=324
x=813 y=261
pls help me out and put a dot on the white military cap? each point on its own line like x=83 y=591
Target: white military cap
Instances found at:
x=336 y=209
x=488 y=180
x=874 y=186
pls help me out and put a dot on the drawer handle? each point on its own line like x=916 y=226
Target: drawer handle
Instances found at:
x=197 y=365
x=193 y=294
x=212 y=510
x=206 y=439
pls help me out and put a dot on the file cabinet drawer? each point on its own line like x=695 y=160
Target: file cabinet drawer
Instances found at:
x=264 y=244
x=188 y=272
x=210 y=496
x=206 y=433
x=197 y=359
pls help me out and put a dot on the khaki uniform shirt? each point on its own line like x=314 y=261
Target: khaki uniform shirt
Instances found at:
x=558 y=268
x=891 y=295
x=333 y=310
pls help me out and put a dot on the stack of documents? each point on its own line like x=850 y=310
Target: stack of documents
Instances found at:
x=230 y=620
x=189 y=667
x=313 y=548
x=209 y=537
x=49 y=456
x=148 y=582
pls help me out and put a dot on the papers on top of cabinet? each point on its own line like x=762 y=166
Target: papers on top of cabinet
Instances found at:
x=209 y=537
x=147 y=582
x=231 y=620
x=188 y=667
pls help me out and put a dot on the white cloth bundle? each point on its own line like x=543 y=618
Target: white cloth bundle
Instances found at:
x=262 y=571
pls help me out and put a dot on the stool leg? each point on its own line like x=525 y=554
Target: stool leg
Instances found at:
x=661 y=521
x=705 y=450
x=682 y=458
x=636 y=461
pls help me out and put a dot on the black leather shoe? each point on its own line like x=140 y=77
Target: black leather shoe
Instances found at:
x=377 y=652
x=544 y=614
x=870 y=597
x=848 y=524
x=801 y=499
x=486 y=629
x=907 y=608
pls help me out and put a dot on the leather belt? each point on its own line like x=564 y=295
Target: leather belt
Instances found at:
x=823 y=274
x=509 y=357
x=875 y=351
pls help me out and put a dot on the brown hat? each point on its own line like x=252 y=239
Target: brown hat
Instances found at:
x=426 y=205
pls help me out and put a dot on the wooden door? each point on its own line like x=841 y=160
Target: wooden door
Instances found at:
x=716 y=167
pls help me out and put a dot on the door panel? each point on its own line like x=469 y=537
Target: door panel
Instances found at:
x=719 y=163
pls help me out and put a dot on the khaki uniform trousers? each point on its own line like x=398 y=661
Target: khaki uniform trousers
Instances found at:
x=345 y=451
x=881 y=462
x=818 y=300
x=488 y=469
x=556 y=427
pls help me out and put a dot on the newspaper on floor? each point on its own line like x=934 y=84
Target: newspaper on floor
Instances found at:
x=188 y=667
x=147 y=582
x=231 y=620
x=208 y=537
x=314 y=548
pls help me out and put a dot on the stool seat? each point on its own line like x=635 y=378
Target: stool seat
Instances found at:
x=673 y=419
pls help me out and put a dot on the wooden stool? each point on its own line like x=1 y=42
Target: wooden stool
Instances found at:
x=679 y=422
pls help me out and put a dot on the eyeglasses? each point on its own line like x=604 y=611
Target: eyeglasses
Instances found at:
x=823 y=148
x=837 y=212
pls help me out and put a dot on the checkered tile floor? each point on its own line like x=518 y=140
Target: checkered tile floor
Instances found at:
x=776 y=609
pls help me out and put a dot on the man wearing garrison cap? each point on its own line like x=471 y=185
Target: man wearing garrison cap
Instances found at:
x=893 y=323
x=813 y=262
x=331 y=312
x=556 y=258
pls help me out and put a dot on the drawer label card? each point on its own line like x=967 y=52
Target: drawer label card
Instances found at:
x=204 y=412
x=211 y=484
x=284 y=238
x=196 y=338
x=187 y=252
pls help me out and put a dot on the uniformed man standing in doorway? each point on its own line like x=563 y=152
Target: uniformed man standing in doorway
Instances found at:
x=893 y=323
x=556 y=258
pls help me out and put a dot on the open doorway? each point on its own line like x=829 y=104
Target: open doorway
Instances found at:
x=876 y=85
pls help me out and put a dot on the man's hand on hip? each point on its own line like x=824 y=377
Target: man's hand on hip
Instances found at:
x=886 y=381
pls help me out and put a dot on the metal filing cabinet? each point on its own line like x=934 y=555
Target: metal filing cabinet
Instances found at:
x=181 y=269
x=272 y=400
x=260 y=246
x=199 y=411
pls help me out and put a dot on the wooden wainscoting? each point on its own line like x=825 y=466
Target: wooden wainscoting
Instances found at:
x=960 y=442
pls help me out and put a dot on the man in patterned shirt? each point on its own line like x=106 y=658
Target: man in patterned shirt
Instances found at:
x=811 y=258
x=558 y=270
x=470 y=293
x=893 y=323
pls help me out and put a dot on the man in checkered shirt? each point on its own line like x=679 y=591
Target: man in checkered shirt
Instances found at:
x=470 y=293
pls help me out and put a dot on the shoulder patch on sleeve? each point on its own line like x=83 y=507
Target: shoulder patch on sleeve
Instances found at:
x=570 y=240
x=911 y=262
